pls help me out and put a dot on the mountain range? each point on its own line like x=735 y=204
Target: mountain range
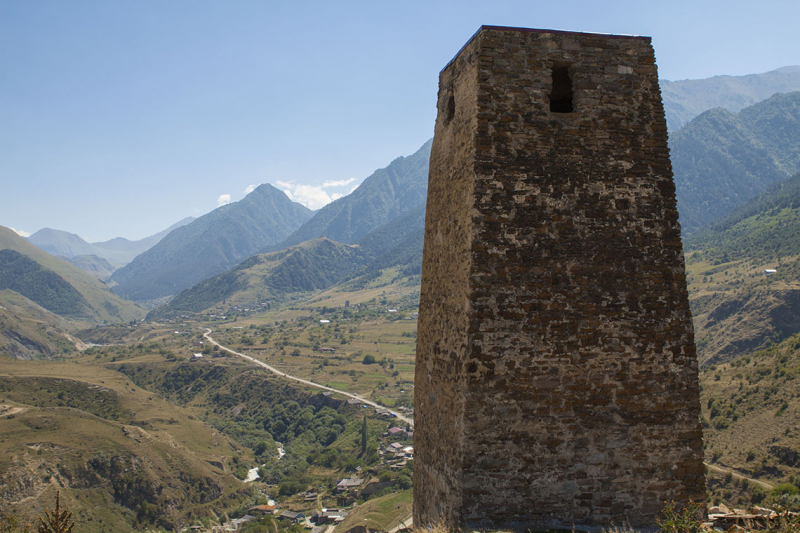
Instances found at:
x=312 y=265
x=117 y=252
x=722 y=159
x=58 y=286
x=210 y=245
x=685 y=99
x=385 y=195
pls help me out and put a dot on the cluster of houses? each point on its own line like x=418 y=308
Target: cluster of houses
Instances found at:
x=397 y=455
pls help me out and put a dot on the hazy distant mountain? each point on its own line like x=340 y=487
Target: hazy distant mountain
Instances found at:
x=121 y=251
x=118 y=251
x=721 y=159
x=96 y=266
x=60 y=243
x=685 y=99
x=382 y=197
x=210 y=244
x=58 y=286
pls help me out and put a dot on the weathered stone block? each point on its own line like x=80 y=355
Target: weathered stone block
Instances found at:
x=556 y=370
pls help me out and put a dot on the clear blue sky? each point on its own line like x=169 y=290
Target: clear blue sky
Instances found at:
x=118 y=118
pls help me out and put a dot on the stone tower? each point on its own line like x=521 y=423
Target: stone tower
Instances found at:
x=556 y=378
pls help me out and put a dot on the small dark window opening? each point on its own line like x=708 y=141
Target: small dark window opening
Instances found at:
x=449 y=108
x=561 y=97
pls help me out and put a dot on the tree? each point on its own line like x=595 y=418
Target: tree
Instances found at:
x=369 y=359
x=58 y=520
x=364 y=436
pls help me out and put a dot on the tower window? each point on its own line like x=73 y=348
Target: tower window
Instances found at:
x=449 y=108
x=561 y=96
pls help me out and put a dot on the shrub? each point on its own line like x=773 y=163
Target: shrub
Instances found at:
x=785 y=488
x=369 y=359
x=676 y=520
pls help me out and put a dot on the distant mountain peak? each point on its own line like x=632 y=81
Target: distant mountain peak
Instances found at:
x=211 y=244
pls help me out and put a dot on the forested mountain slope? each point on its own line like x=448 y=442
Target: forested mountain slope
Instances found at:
x=721 y=159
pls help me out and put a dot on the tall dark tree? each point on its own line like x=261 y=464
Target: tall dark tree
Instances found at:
x=364 y=437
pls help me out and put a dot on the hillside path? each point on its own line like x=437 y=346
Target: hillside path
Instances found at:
x=274 y=370
x=406 y=523
x=735 y=474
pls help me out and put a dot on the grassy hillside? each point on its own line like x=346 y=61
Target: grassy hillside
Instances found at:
x=751 y=418
x=269 y=277
x=123 y=458
x=28 y=331
x=41 y=285
x=101 y=303
x=736 y=308
x=272 y=278
x=380 y=514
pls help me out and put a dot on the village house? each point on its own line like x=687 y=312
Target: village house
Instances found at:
x=347 y=484
x=397 y=432
x=328 y=516
x=292 y=516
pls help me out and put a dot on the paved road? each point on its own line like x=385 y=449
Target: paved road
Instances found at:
x=274 y=370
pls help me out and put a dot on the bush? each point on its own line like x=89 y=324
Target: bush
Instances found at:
x=784 y=488
x=686 y=520
x=290 y=488
x=369 y=359
x=403 y=482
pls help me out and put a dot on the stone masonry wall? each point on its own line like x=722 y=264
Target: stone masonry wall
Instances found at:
x=556 y=369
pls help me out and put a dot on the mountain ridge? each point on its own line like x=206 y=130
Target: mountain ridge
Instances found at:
x=385 y=195
x=722 y=159
x=686 y=99
x=210 y=245
x=103 y=305
x=118 y=251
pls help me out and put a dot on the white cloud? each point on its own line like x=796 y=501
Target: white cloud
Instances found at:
x=20 y=232
x=340 y=183
x=249 y=189
x=314 y=196
x=223 y=199
x=310 y=196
